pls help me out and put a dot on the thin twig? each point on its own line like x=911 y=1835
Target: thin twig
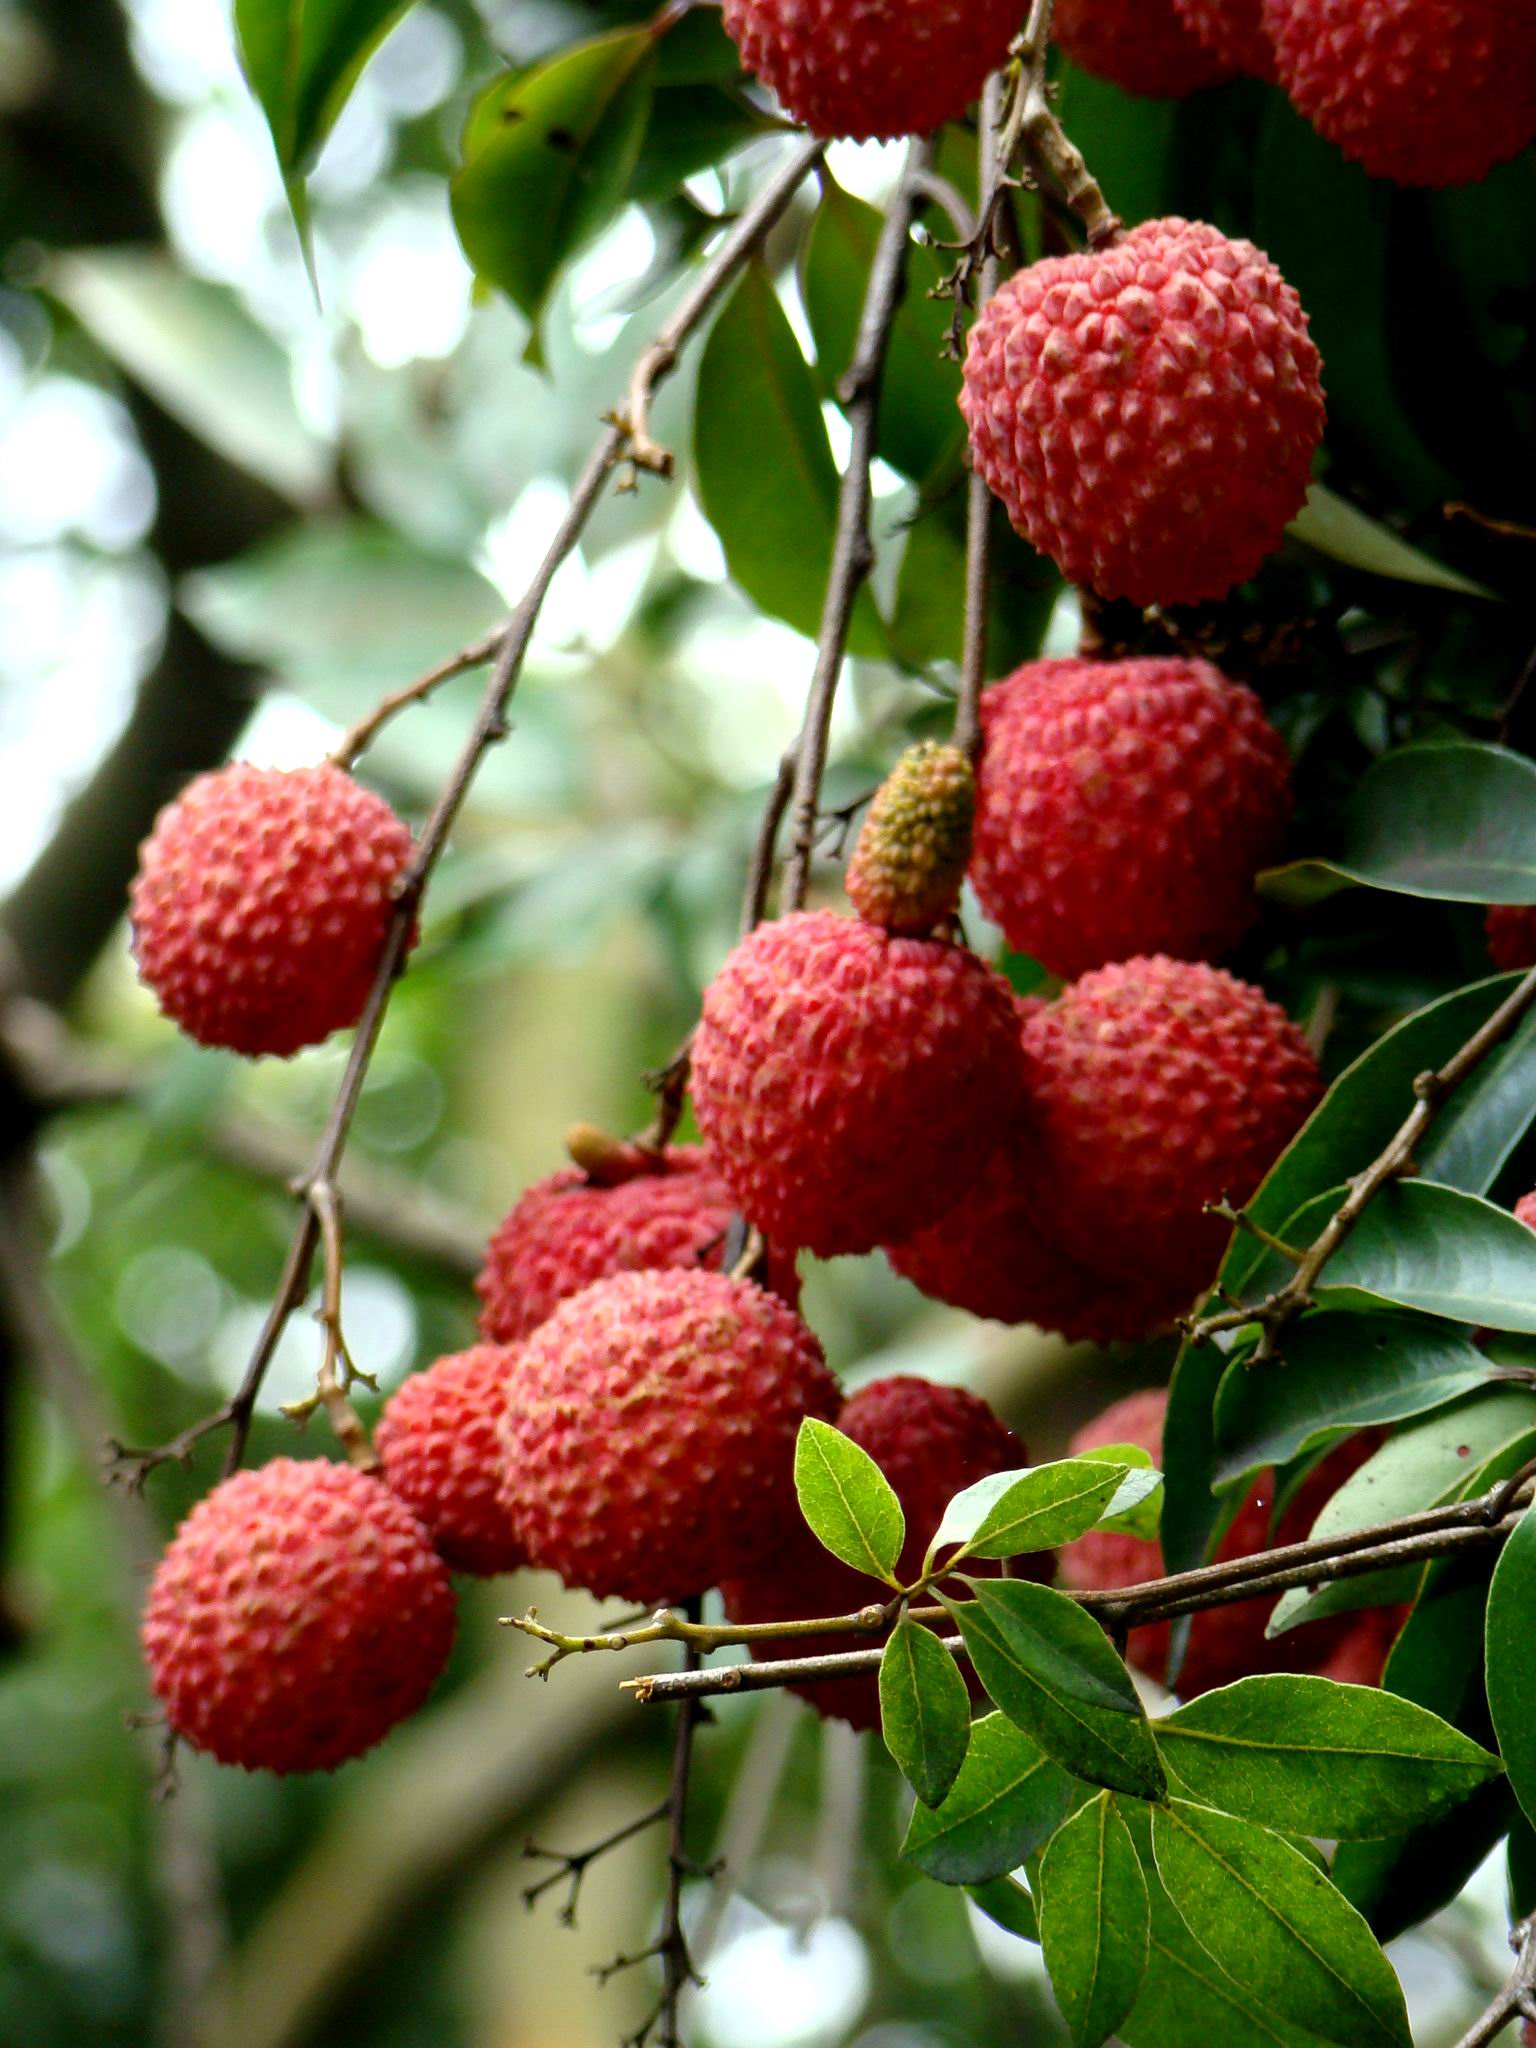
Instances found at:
x=573 y=1865
x=358 y=738
x=978 y=502
x=338 y=1371
x=1517 y=1997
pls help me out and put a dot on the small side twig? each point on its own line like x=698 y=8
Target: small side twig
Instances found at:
x=1517 y=1999
x=359 y=737
x=573 y=1865
x=338 y=1372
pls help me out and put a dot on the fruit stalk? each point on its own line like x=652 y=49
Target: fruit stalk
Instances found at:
x=978 y=503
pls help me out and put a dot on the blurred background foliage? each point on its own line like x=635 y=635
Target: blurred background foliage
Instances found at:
x=230 y=518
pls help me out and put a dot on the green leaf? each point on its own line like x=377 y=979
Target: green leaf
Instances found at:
x=691 y=128
x=848 y=1501
x=1009 y=1513
x=1051 y=1669
x=1512 y=1659
x=1093 y=1920
x=766 y=477
x=548 y=156
x=1311 y=1757
x=1269 y=1918
x=1008 y=1903
x=1343 y=532
x=1008 y=1800
x=1137 y=1507
x=1343 y=1371
x=302 y=58
x=925 y=1710
x=928 y=623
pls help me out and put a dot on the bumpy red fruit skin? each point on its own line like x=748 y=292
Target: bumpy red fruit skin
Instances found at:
x=648 y=1439
x=261 y=904
x=1147 y=412
x=1156 y=1086
x=299 y=1612
x=1140 y=45
x=1233 y=31
x=566 y=1231
x=1226 y=1643
x=1124 y=807
x=439 y=1443
x=1424 y=92
x=1510 y=929
x=1525 y=1210
x=872 y=68
x=850 y=1084
x=930 y=1442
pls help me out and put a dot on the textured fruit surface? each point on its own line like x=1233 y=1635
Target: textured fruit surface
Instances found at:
x=299 y=1612
x=261 y=904
x=1140 y=45
x=567 y=1231
x=910 y=859
x=439 y=1442
x=1511 y=933
x=850 y=1084
x=1525 y=1210
x=1425 y=92
x=1233 y=31
x=1229 y=1642
x=1157 y=1086
x=1147 y=412
x=873 y=68
x=930 y=1442
x=648 y=1440
x=1124 y=807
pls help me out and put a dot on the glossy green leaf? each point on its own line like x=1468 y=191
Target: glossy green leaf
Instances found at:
x=847 y=1500
x=1136 y=1508
x=928 y=622
x=1093 y=1920
x=1343 y=532
x=1512 y=1659
x=1270 y=1918
x=302 y=58
x=1311 y=1757
x=1050 y=1668
x=1008 y=1799
x=1009 y=1513
x=1009 y=1904
x=925 y=1710
x=1343 y=1370
x=548 y=155
x=766 y=477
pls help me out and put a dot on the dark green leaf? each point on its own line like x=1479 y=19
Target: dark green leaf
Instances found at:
x=691 y=128
x=928 y=624
x=302 y=58
x=1007 y=1801
x=848 y=1501
x=1512 y=1659
x=1268 y=1917
x=925 y=1710
x=1008 y=1903
x=1093 y=1920
x=1051 y=1669
x=1310 y=1757
x=1009 y=1513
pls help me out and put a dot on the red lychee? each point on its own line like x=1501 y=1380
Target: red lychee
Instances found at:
x=1139 y=45
x=298 y=1614
x=568 y=1230
x=1425 y=92
x=873 y=69
x=910 y=859
x=1147 y=411
x=1154 y=1087
x=649 y=1433
x=930 y=1442
x=1510 y=929
x=262 y=902
x=1233 y=31
x=1124 y=807
x=1525 y=1210
x=851 y=1084
x=1229 y=1642
x=439 y=1443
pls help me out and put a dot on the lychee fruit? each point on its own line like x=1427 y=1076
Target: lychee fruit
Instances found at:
x=299 y=1612
x=1424 y=92
x=1124 y=807
x=910 y=859
x=1140 y=45
x=1525 y=1211
x=1226 y=1643
x=570 y=1229
x=873 y=69
x=1510 y=929
x=1233 y=31
x=649 y=1433
x=439 y=1446
x=850 y=1084
x=1154 y=1087
x=930 y=1442
x=1147 y=411
x=262 y=903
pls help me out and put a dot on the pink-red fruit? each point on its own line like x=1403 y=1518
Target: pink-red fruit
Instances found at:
x=1424 y=92
x=1511 y=933
x=1233 y=31
x=1124 y=807
x=298 y=1614
x=1147 y=411
x=851 y=1084
x=909 y=862
x=439 y=1444
x=262 y=903
x=873 y=69
x=649 y=1432
x=1139 y=45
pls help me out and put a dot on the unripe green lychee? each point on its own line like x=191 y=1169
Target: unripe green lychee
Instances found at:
x=910 y=859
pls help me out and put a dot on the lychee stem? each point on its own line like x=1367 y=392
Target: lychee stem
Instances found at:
x=978 y=504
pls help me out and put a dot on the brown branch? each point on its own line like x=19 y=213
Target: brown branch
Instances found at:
x=978 y=503
x=573 y=1865
x=1517 y=1999
x=1431 y=1091
x=358 y=738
